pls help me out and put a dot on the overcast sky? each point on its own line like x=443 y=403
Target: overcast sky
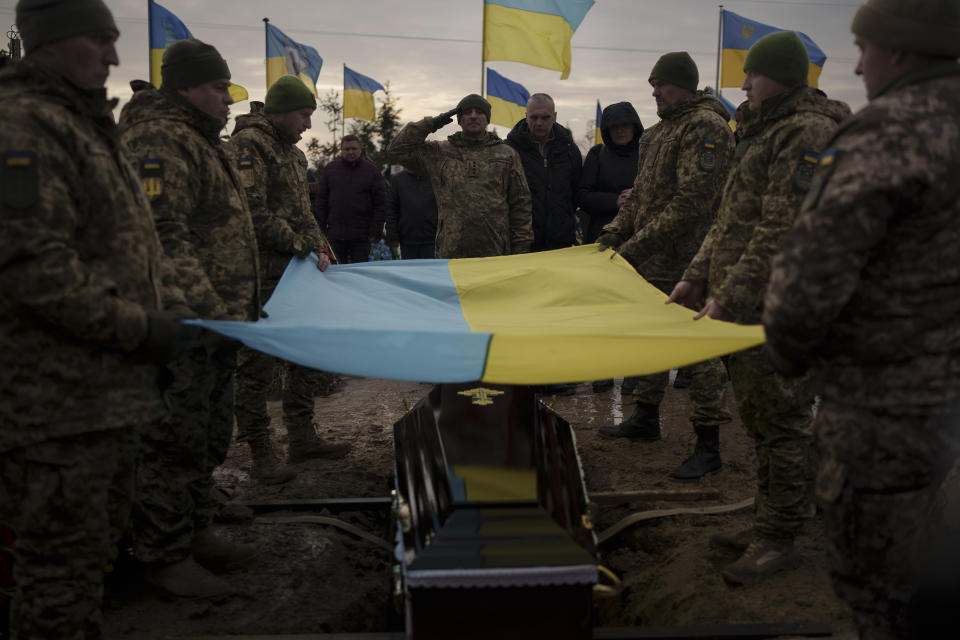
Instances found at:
x=429 y=50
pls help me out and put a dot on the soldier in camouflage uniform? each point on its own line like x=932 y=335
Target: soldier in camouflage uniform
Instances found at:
x=81 y=326
x=274 y=173
x=771 y=173
x=867 y=291
x=205 y=226
x=683 y=163
x=483 y=201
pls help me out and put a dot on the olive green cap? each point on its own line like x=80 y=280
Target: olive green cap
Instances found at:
x=677 y=68
x=288 y=94
x=930 y=27
x=42 y=21
x=780 y=56
x=190 y=63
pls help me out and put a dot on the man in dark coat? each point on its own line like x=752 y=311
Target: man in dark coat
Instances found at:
x=411 y=216
x=350 y=202
x=552 y=164
x=610 y=168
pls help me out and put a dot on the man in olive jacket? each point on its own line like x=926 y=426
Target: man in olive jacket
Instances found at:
x=771 y=174
x=483 y=200
x=83 y=281
x=274 y=175
x=205 y=226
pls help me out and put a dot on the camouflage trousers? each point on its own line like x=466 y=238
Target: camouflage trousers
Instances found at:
x=708 y=382
x=255 y=375
x=890 y=546
x=68 y=502
x=180 y=452
x=777 y=413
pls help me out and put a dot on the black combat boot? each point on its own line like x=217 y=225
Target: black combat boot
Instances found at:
x=705 y=458
x=644 y=424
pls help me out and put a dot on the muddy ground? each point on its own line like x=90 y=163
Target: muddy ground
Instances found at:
x=312 y=578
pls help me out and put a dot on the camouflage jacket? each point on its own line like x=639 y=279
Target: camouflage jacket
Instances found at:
x=771 y=172
x=80 y=265
x=868 y=282
x=483 y=201
x=198 y=202
x=682 y=165
x=274 y=173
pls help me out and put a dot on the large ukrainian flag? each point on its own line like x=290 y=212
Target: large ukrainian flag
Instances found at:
x=287 y=56
x=508 y=99
x=358 y=92
x=738 y=34
x=165 y=29
x=539 y=318
x=535 y=32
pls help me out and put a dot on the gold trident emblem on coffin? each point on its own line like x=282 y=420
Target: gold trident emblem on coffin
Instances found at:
x=481 y=395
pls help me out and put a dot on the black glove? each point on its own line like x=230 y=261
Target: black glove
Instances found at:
x=444 y=119
x=608 y=241
x=167 y=338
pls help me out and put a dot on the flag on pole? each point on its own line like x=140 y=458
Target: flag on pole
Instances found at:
x=358 y=92
x=508 y=99
x=738 y=34
x=287 y=56
x=535 y=32
x=597 y=130
x=165 y=29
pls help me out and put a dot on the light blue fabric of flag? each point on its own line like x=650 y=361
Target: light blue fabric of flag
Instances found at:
x=417 y=298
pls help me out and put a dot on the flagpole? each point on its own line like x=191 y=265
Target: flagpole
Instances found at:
x=149 y=49
x=266 y=38
x=483 y=42
x=343 y=109
x=719 y=50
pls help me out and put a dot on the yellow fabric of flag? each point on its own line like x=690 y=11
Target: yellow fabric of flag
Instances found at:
x=534 y=32
x=622 y=328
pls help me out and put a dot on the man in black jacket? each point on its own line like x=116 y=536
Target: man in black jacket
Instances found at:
x=552 y=164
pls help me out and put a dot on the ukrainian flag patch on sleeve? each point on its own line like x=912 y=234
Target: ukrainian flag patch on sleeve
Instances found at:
x=19 y=183
x=151 y=176
x=245 y=163
x=708 y=155
x=804 y=173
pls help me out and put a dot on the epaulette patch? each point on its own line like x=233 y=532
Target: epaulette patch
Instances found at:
x=245 y=163
x=804 y=173
x=151 y=176
x=19 y=182
x=708 y=155
x=825 y=167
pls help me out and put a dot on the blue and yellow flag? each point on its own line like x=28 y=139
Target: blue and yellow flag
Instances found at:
x=501 y=320
x=597 y=127
x=286 y=56
x=738 y=34
x=358 y=95
x=165 y=29
x=535 y=32
x=508 y=100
